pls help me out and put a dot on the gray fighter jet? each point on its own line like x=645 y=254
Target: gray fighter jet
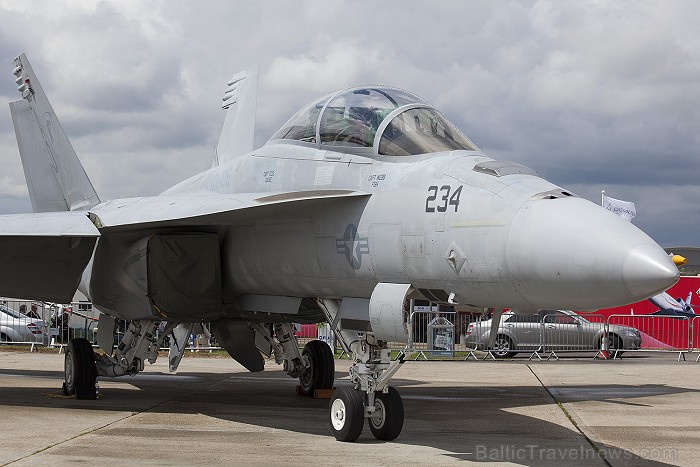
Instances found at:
x=670 y=307
x=364 y=199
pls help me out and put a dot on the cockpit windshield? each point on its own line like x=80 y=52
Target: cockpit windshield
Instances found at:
x=302 y=125
x=421 y=130
x=353 y=118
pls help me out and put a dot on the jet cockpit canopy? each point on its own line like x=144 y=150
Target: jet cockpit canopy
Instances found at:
x=373 y=120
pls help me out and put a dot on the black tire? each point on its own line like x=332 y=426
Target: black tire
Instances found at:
x=503 y=347
x=347 y=414
x=614 y=344
x=80 y=370
x=321 y=374
x=389 y=425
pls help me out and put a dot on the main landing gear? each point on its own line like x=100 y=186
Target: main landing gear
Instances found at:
x=370 y=396
x=320 y=373
x=314 y=365
x=80 y=370
x=82 y=366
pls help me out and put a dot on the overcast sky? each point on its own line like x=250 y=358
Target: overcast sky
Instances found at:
x=594 y=95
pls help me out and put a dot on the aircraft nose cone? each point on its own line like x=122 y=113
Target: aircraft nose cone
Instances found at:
x=572 y=254
x=646 y=269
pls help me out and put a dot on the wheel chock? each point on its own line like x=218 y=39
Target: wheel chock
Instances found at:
x=323 y=393
x=318 y=393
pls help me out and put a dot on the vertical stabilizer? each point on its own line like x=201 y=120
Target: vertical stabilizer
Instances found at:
x=240 y=103
x=55 y=177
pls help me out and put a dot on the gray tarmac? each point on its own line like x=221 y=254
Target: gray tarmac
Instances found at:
x=643 y=410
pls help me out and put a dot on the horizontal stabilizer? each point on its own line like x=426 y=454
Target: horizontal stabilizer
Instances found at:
x=43 y=255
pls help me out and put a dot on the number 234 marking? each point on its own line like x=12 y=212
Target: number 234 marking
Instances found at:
x=446 y=199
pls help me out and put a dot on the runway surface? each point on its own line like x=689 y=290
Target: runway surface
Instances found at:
x=642 y=410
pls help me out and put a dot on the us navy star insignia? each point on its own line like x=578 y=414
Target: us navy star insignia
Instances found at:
x=352 y=246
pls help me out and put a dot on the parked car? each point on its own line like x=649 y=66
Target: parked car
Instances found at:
x=16 y=327
x=549 y=330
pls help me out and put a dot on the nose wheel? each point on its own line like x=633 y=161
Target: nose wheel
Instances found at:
x=386 y=421
x=347 y=414
x=348 y=410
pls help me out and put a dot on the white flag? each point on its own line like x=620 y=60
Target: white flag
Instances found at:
x=624 y=209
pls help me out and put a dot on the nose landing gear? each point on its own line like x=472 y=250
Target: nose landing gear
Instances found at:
x=370 y=397
x=349 y=408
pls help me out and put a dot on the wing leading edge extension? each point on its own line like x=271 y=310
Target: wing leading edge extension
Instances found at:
x=208 y=209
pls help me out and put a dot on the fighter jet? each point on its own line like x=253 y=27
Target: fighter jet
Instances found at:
x=364 y=199
x=670 y=307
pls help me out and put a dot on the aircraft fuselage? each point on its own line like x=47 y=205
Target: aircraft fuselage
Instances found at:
x=512 y=240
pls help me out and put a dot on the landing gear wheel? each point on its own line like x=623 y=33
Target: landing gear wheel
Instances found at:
x=387 y=421
x=80 y=370
x=347 y=414
x=502 y=347
x=321 y=373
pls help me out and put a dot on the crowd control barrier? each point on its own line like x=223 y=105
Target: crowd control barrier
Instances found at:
x=549 y=334
x=48 y=323
x=432 y=333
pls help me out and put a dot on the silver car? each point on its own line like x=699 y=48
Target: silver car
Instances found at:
x=549 y=330
x=16 y=327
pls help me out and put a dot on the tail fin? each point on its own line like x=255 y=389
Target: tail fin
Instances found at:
x=240 y=103
x=55 y=177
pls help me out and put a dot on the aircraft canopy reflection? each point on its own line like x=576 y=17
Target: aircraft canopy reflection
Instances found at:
x=373 y=121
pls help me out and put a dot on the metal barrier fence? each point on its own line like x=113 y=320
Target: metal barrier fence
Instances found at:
x=431 y=333
x=658 y=332
x=40 y=323
x=550 y=333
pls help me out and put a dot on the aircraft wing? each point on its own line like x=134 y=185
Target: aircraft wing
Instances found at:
x=43 y=255
x=213 y=209
x=665 y=302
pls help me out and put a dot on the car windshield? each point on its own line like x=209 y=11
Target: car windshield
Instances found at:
x=523 y=319
x=559 y=316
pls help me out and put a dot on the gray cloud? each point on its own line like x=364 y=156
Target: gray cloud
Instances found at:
x=592 y=95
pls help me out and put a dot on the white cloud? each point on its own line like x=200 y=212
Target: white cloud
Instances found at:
x=588 y=93
x=340 y=65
